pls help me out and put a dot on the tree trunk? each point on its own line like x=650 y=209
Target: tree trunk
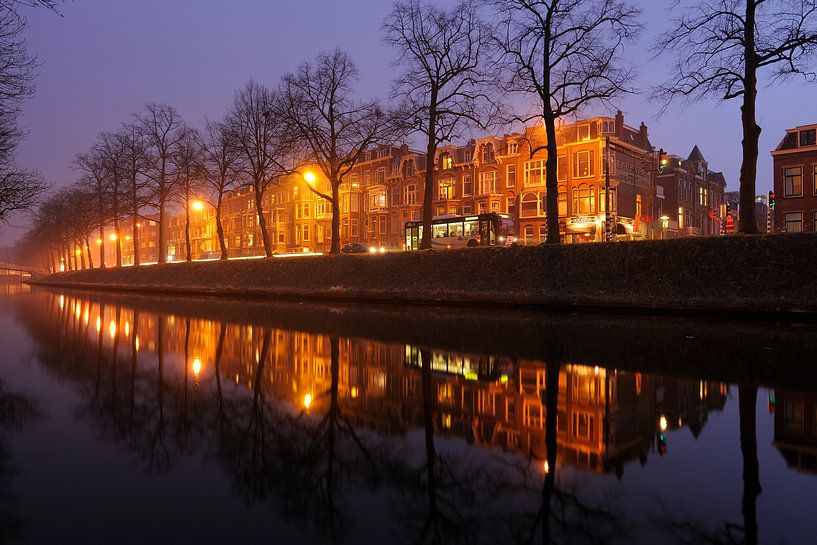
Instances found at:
x=751 y=130
x=162 y=257
x=335 y=249
x=88 y=251
x=262 y=223
x=428 y=190
x=551 y=412
x=101 y=246
x=189 y=256
x=135 y=237
x=747 y=401
x=118 y=240
x=551 y=179
x=220 y=228
x=81 y=256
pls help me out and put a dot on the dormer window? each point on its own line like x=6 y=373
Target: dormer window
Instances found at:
x=584 y=132
x=487 y=153
x=608 y=127
x=808 y=138
x=513 y=148
x=446 y=161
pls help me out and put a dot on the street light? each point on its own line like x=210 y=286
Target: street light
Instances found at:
x=99 y=241
x=309 y=177
x=113 y=237
x=197 y=205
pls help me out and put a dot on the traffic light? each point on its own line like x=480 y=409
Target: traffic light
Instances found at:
x=771 y=199
x=662 y=160
x=662 y=443
x=771 y=401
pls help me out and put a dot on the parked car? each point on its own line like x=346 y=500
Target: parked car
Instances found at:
x=357 y=248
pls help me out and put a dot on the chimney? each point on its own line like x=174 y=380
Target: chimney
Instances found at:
x=642 y=132
x=619 y=124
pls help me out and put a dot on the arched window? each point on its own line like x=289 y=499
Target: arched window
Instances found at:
x=584 y=200
x=533 y=205
x=446 y=161
x=446 y=189
x=487 y=153
x=562 y=200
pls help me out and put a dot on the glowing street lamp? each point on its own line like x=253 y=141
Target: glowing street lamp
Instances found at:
x=99 y=241
x=197 y=205
x=78 y=251
x=309 y=177
x=196 y=366
x=113 y=237
x=307 y=401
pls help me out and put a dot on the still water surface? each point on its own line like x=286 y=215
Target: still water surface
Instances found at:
x=127 y=419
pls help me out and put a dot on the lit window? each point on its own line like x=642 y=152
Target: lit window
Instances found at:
x=380 y=176
x=467 y=184
x=534 y=173
x=793 y=182
x=446 y=189
x=411 y=194
x=510 y=176
x=793 y=222
x=446 y=161
x=487 y=182
x=584 y=132
x=513 y=148
x=584 y=201
x=583 y=164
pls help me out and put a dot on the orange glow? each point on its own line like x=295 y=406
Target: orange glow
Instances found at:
x=112 y=329
x=546 y=467
x=98 y=324
x=662 y=423
x=307 y=401
x=196 y=366
x=137 y=343
x=62 y=302
x=113 y=237
x=309 y=177
x=99 y=241
x=127 y=329
x=355 y=392
x=78 y=251
x=197 y=205
x=87 y=316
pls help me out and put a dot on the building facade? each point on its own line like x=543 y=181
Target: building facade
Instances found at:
x=795 y=181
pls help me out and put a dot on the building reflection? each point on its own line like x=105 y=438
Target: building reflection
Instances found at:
x=795 y=428
x=606 y=417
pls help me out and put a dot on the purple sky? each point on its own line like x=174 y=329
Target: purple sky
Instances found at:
x=103 y=60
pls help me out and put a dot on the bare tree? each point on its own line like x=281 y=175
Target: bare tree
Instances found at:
x=20 y=188
x=444 y=79
x=260 y=131
x=722 y=46
x=566 y=52
x=220 y=169
x=93 y=178
x=336 y=129
x=188 y=181
x=135 y=182
x=111 y=151
x=163 y=129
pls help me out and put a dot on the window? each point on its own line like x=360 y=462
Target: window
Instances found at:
x=510 y=205
x=367 y=177
x=534 y=173
x=513 y=148
x=487 y=182
x=306 y=233
x=808 y=137
x=408 y=168
x=814 y=178
x=543 y=233
x=793 y=222
x=613 y=200
x=584 y=132
x=446 y=189
x=306 y=210
x=638 y=209
x=353 y=178
x=467 y=185
x=510 y=176
x=466 y=156
x=355 y=202
x=562 y=200
x=395 y=223
x=377 y=199
x=608 y=127
x=582 y=425
x=380 y=176
x=584 y=201
x=410 y=194
x=494 y=206
x=395 y=195
x=561 y=168
x=446 y=161
x=354 y=227
x=793 y=182
x=680 y=217
x=487 y=153
x=344 y=203
x=583 y=164
x=703 y=197
x=249 y=241
x=382 y=225
x=533 y=205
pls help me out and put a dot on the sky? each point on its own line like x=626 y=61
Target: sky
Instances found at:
x=102 y=60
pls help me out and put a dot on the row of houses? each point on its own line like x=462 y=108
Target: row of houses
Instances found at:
x=504 y=174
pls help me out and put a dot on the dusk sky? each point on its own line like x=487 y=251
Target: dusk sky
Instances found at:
x=102 y=60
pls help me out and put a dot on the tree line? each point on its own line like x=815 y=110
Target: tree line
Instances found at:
x=458 y=70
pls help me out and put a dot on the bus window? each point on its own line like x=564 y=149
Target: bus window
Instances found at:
x=455 y=230
x=439 y=231
x=471 y=228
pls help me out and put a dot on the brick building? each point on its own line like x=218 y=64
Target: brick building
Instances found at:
x=689 y=196
x=795 y=180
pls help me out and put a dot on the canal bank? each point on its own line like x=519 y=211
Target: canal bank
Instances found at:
x=744 y=276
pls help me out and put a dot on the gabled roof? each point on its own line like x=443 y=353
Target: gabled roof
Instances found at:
x=696 y=155
x=718 y=178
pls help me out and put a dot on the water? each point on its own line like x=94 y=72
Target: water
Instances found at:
x=128 y=419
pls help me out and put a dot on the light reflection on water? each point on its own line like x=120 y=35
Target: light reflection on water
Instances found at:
x=337 y=437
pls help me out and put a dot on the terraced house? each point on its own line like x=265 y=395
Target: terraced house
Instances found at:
x=795 y=180
x=504 y=174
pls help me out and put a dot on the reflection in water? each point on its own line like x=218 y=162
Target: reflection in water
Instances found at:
x=303 y=421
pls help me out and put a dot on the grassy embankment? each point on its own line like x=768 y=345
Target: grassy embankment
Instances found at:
x=761 y=274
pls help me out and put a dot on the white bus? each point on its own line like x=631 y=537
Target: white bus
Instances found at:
x=452 y=231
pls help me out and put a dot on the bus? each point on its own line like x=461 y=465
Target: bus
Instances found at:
x=453 y=231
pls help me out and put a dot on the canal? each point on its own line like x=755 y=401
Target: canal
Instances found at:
x=133 y=419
